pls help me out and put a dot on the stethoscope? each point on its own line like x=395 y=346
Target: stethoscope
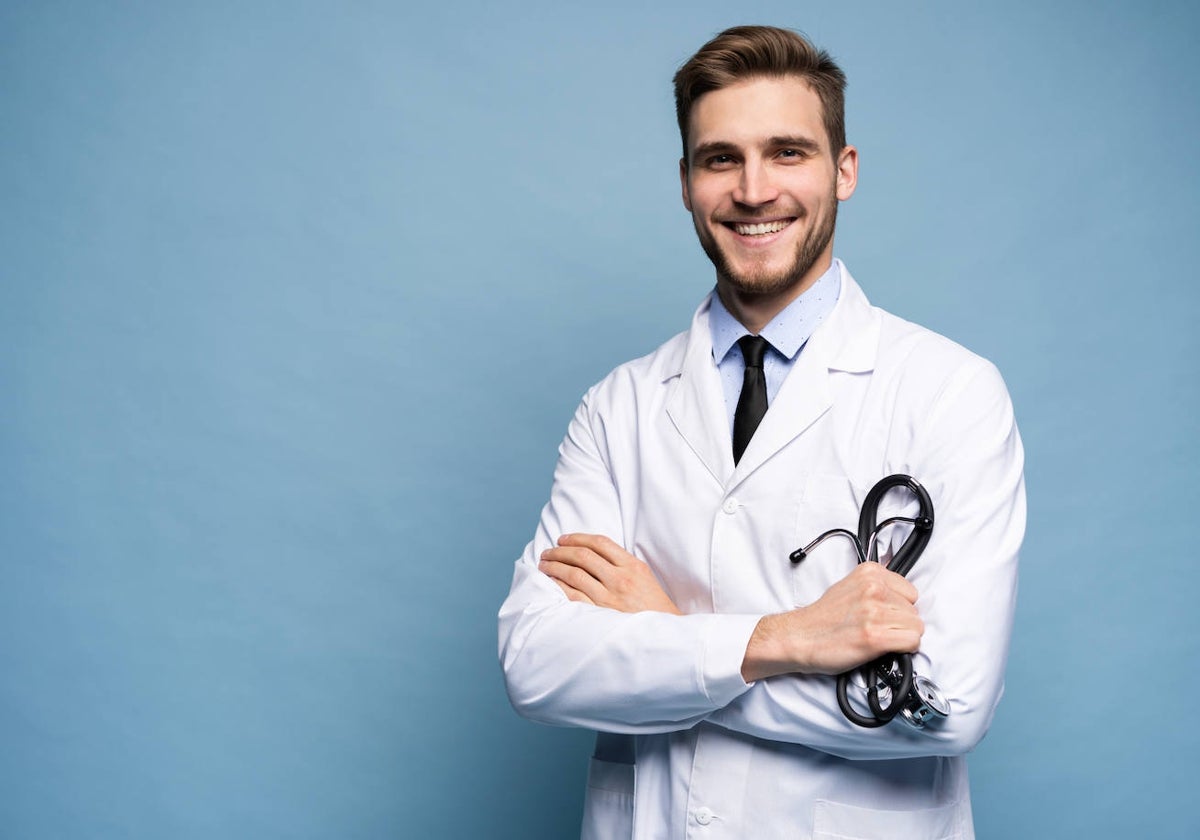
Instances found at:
x=916 y=699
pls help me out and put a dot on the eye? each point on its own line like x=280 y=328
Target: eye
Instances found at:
x=721 y=161
x=792 y=154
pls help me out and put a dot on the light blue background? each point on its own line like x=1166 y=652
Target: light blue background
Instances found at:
x=296 y=300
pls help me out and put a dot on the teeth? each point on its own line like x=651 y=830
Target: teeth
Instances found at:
x=761 y=228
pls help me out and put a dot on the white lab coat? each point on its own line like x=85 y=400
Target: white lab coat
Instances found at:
x=647 y=461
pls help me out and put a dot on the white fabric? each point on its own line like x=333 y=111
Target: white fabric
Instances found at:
x=646 y=461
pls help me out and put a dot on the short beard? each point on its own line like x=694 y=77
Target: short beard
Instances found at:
x=811 y=248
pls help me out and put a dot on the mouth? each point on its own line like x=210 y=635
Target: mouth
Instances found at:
x=758 y=228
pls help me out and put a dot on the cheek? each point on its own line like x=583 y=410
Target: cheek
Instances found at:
x=812 y=185
x=705 y=195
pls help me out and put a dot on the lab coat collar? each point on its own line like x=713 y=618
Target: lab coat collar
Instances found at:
x=847 y=341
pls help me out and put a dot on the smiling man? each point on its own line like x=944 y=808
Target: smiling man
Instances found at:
x=656 y=602
x=763 y=181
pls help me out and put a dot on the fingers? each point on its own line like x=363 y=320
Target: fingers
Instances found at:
x=578 y=557
x=593 y=568
x=869 y=612
x=888 y=617
x=886 y=599
x=600 y=544
x=889 y=629
x=575 y=570
x=878 y=574
x=574 y=594
x=583 y=559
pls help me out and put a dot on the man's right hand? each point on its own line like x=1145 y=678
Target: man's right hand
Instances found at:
x=866 y=614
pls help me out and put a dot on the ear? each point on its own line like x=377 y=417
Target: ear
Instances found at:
x=683 y=184
x=847 y=172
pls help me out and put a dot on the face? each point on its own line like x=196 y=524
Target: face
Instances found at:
x=763 y=186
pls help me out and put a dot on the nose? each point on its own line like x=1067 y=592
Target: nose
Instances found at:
x=755 y=186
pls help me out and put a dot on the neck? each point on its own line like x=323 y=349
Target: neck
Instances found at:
x=754 y=310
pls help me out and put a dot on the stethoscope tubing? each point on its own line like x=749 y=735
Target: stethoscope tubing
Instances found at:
x=893 y=671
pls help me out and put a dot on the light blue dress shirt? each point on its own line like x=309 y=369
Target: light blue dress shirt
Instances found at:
x=787 y=333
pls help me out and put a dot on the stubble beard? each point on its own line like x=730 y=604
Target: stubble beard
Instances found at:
x=811 y=247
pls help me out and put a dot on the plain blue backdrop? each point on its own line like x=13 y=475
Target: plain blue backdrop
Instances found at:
x=296 y=300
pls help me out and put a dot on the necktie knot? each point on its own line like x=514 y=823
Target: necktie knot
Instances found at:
x=754 y=348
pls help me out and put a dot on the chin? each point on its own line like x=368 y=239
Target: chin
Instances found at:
x=764 y=279
x=762 y=283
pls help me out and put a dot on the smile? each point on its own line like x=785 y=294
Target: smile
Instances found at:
x=759 y=229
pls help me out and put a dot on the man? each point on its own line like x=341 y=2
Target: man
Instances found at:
x=657 y=599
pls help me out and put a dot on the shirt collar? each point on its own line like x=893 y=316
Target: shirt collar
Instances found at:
x=790 y=329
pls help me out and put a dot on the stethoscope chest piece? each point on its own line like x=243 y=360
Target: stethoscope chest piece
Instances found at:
x=924 y=702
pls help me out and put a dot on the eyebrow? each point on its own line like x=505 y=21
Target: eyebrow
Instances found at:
x=721 y=147
x=806 y=143
x=718 y=147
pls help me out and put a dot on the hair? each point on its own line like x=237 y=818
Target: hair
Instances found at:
x=747 y=52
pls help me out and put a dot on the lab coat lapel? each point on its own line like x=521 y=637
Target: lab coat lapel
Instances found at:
x=696 y=404
x=847 y=341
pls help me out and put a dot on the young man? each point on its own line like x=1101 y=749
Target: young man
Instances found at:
x=657 y=599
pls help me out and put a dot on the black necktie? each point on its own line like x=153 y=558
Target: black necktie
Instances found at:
x=752 y=403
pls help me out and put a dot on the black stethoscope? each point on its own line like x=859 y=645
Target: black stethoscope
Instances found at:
x=893 y=688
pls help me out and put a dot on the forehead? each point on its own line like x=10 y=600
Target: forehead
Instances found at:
x=749 y=112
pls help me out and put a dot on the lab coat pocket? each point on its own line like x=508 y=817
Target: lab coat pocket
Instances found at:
x=829 y=501
x=835 y=821
x=608 y=806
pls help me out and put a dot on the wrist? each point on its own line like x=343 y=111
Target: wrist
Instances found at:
x=774 y=649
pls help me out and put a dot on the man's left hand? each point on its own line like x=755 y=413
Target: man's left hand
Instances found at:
x=593 y=569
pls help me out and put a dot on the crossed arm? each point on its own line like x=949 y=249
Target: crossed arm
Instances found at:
x=588 y=636
x=868 y=613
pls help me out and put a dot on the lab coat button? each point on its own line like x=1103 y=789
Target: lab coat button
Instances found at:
x=730 y=505
x=704 y=816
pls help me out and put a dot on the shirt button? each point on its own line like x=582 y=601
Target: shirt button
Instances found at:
x=730 y=506
x=704 y=816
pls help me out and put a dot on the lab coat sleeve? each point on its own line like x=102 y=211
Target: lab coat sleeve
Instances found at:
x=968 y=454
x=574 y=664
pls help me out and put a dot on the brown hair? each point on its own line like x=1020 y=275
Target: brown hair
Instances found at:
x=744 y=52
